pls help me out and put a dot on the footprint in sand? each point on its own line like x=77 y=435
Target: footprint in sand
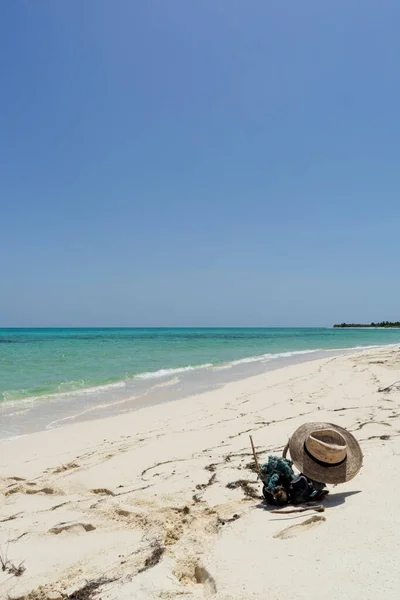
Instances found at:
x=294 y=530
x=72 y=527
x=203 y=576
x=24 y=489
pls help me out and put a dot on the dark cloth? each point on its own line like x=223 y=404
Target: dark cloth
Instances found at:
x=282 y=486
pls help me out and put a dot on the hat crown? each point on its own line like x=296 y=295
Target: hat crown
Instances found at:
x=327 y=445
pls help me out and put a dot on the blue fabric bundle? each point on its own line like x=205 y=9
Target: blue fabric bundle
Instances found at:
x=282 y=485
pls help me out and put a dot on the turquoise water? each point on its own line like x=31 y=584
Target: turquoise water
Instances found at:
x=38 y=363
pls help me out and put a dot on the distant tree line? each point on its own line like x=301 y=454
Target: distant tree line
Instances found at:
x=381 y=324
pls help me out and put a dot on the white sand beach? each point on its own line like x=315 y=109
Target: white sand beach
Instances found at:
x=136 y=506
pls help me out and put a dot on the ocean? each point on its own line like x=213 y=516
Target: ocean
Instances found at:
x=74 y=371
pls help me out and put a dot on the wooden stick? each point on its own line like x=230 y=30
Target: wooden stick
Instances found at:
x=255 y=456
x=285 y=450
x=318 y=508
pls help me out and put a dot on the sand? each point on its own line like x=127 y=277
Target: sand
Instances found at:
x=136 y=506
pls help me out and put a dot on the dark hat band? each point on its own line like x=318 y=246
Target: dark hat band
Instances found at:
x=320 y=462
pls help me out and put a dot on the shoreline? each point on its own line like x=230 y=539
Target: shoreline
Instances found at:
x=139 y=501
x=40 y=364
x=26 y=416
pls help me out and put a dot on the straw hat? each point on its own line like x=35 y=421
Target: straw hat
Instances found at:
x=325 y=452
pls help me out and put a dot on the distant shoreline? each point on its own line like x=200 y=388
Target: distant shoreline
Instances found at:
x=383 y=325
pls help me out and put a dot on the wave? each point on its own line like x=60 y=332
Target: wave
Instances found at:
x=369 y=347
x=164 y=372
x=273 y=356
x=69 y=389
x=22 y=396
x=270 y=356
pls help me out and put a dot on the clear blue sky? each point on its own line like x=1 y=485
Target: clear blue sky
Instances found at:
x=199 y=162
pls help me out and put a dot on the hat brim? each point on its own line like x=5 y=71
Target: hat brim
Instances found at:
x=316 y=471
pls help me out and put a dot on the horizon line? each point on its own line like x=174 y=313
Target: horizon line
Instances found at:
x=167 y=327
